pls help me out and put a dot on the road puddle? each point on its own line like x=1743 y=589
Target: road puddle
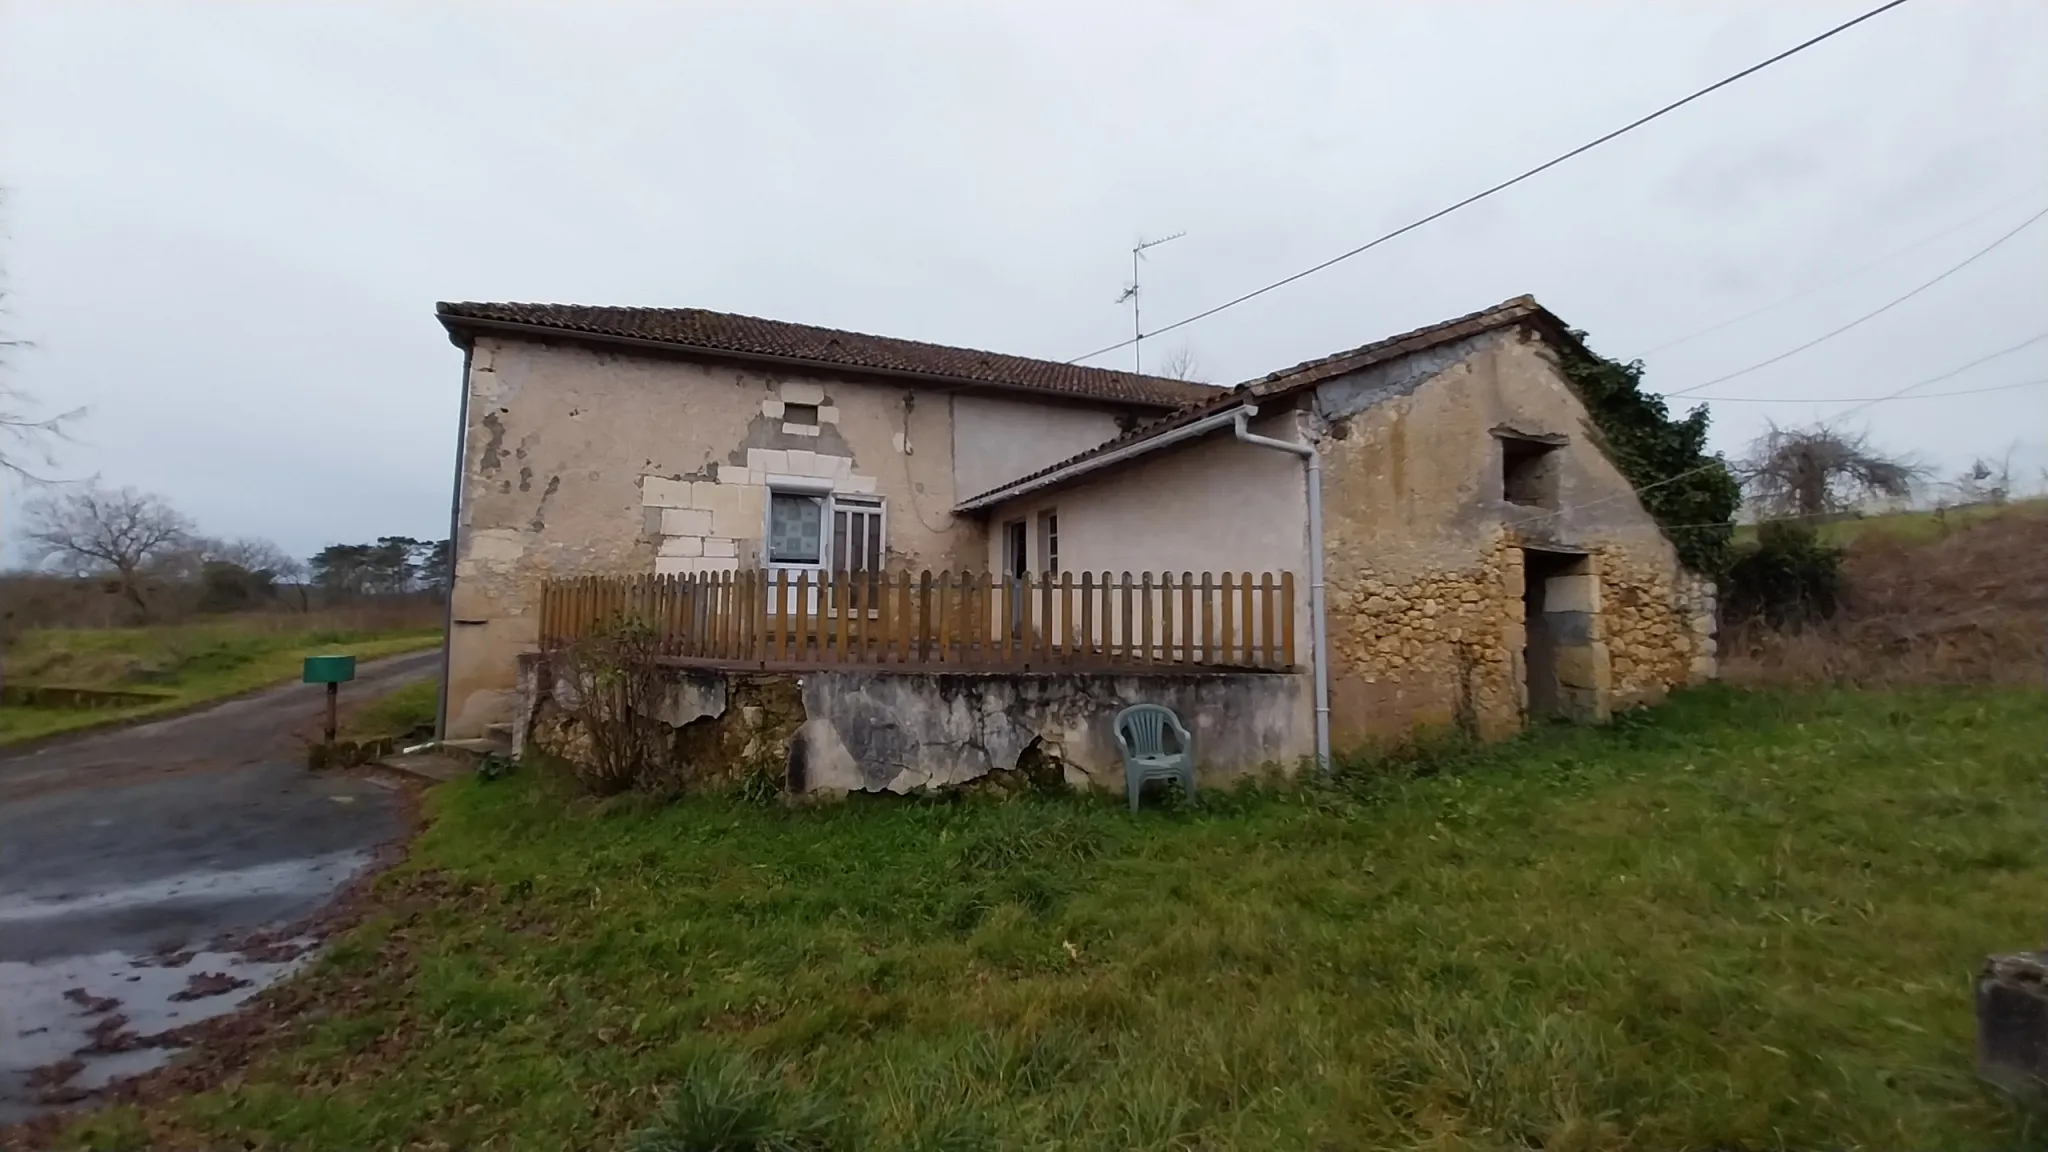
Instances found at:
x=72 y=1024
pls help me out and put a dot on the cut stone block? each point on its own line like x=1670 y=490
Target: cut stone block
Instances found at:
x=685 y=522
x=662 y=492
x=682 y=546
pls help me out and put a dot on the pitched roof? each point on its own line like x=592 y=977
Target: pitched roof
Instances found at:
x=751 y=338
x=1520 y=310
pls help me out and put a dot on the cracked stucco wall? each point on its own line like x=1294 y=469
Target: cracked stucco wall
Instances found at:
x=573 y=463
x=912 y=732
x=891 y=732
x=581 y=462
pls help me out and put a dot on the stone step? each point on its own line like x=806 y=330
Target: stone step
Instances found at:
x=429 y=765
x=480 y=747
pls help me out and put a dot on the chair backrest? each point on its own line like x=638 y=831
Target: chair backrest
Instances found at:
x=1141 y=729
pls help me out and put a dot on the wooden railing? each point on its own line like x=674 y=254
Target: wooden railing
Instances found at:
x=963 y=620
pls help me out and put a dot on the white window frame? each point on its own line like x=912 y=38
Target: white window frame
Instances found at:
x=855 y=504
x=857 y=507
x=797 y=487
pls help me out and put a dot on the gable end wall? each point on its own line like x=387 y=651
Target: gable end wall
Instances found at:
x=1425 y=557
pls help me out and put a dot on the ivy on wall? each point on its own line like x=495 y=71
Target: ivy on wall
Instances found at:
x=1689 y=490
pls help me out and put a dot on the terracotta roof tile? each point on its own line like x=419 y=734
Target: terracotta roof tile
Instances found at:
x=1518 y=310
x=745 y=336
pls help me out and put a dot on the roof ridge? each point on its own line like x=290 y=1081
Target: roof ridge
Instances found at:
x=1288 y=380
x=743 y=334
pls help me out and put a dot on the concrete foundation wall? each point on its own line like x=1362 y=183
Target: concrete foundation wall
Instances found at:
x=906 y=732
x=580 y=462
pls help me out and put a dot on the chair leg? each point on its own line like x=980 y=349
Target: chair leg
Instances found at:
x=1132 y=785
x=1187 y=777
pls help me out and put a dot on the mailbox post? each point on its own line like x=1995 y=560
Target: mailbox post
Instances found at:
x=332 y=671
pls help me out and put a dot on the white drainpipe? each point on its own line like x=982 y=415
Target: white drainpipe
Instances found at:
x=1317 y=624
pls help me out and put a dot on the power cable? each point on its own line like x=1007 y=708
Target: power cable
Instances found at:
x=1869 y=399
x=1503 y=185
x=1894 y=395
x=1824 y=337
x=1675 y=477
x=1831 y=281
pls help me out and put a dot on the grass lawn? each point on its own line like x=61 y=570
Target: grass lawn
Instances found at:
x=188 y=663
x=397 y=713
x=1737 y=922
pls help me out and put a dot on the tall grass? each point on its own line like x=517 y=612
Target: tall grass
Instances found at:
x=1969 y=605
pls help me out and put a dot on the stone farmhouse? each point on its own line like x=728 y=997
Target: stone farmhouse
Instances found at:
x=1467 y=552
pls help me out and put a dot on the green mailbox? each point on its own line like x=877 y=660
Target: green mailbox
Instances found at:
x=330 y=669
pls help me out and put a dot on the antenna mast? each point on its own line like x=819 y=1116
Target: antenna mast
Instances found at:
x=1131 y=294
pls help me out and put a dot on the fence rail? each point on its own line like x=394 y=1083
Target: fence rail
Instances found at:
x=961 y=620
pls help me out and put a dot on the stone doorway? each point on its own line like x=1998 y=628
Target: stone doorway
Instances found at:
x=1564 y=665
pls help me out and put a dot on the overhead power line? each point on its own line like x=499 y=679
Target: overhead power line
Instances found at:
x=1869 y=399
x=1871 y=315
x=1917 y=385
x=1631 y=493
x=1505 y=184
x=1831 y=281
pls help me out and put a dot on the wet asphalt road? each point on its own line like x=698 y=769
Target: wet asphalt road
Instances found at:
x=169 y=836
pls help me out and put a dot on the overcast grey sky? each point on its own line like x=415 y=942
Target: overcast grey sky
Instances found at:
x=229 y=223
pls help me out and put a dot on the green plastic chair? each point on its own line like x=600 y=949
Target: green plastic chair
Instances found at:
x=1141 y=733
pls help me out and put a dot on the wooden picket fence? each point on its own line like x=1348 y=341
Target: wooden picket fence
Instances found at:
x=960 y=620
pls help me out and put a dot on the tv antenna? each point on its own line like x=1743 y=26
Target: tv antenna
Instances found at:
x=1131 y=294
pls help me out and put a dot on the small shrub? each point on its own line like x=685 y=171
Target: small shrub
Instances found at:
x=728 y=1108
x=618 y=690
x=1788 y=578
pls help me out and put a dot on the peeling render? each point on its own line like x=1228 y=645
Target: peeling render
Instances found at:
x=603 y=447
x=914 y=732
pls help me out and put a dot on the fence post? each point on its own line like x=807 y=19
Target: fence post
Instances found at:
x=1208 y=618
x=1084 y=636
x=1046 y=640
x=1287 y=618
x=1108 y=645
x=1265 y=654
x=1226 y=631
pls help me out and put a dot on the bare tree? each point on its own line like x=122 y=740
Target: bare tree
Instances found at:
x=27 y=435
x=1183 y=364
x=94 y=531
x=251 y=553
x=1820 y=469
x=1985 y=481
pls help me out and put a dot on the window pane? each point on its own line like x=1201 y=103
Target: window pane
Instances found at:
x=874 y=556
x=796 y=528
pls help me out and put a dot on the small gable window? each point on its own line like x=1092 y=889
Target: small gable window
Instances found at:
x=1528 y=470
